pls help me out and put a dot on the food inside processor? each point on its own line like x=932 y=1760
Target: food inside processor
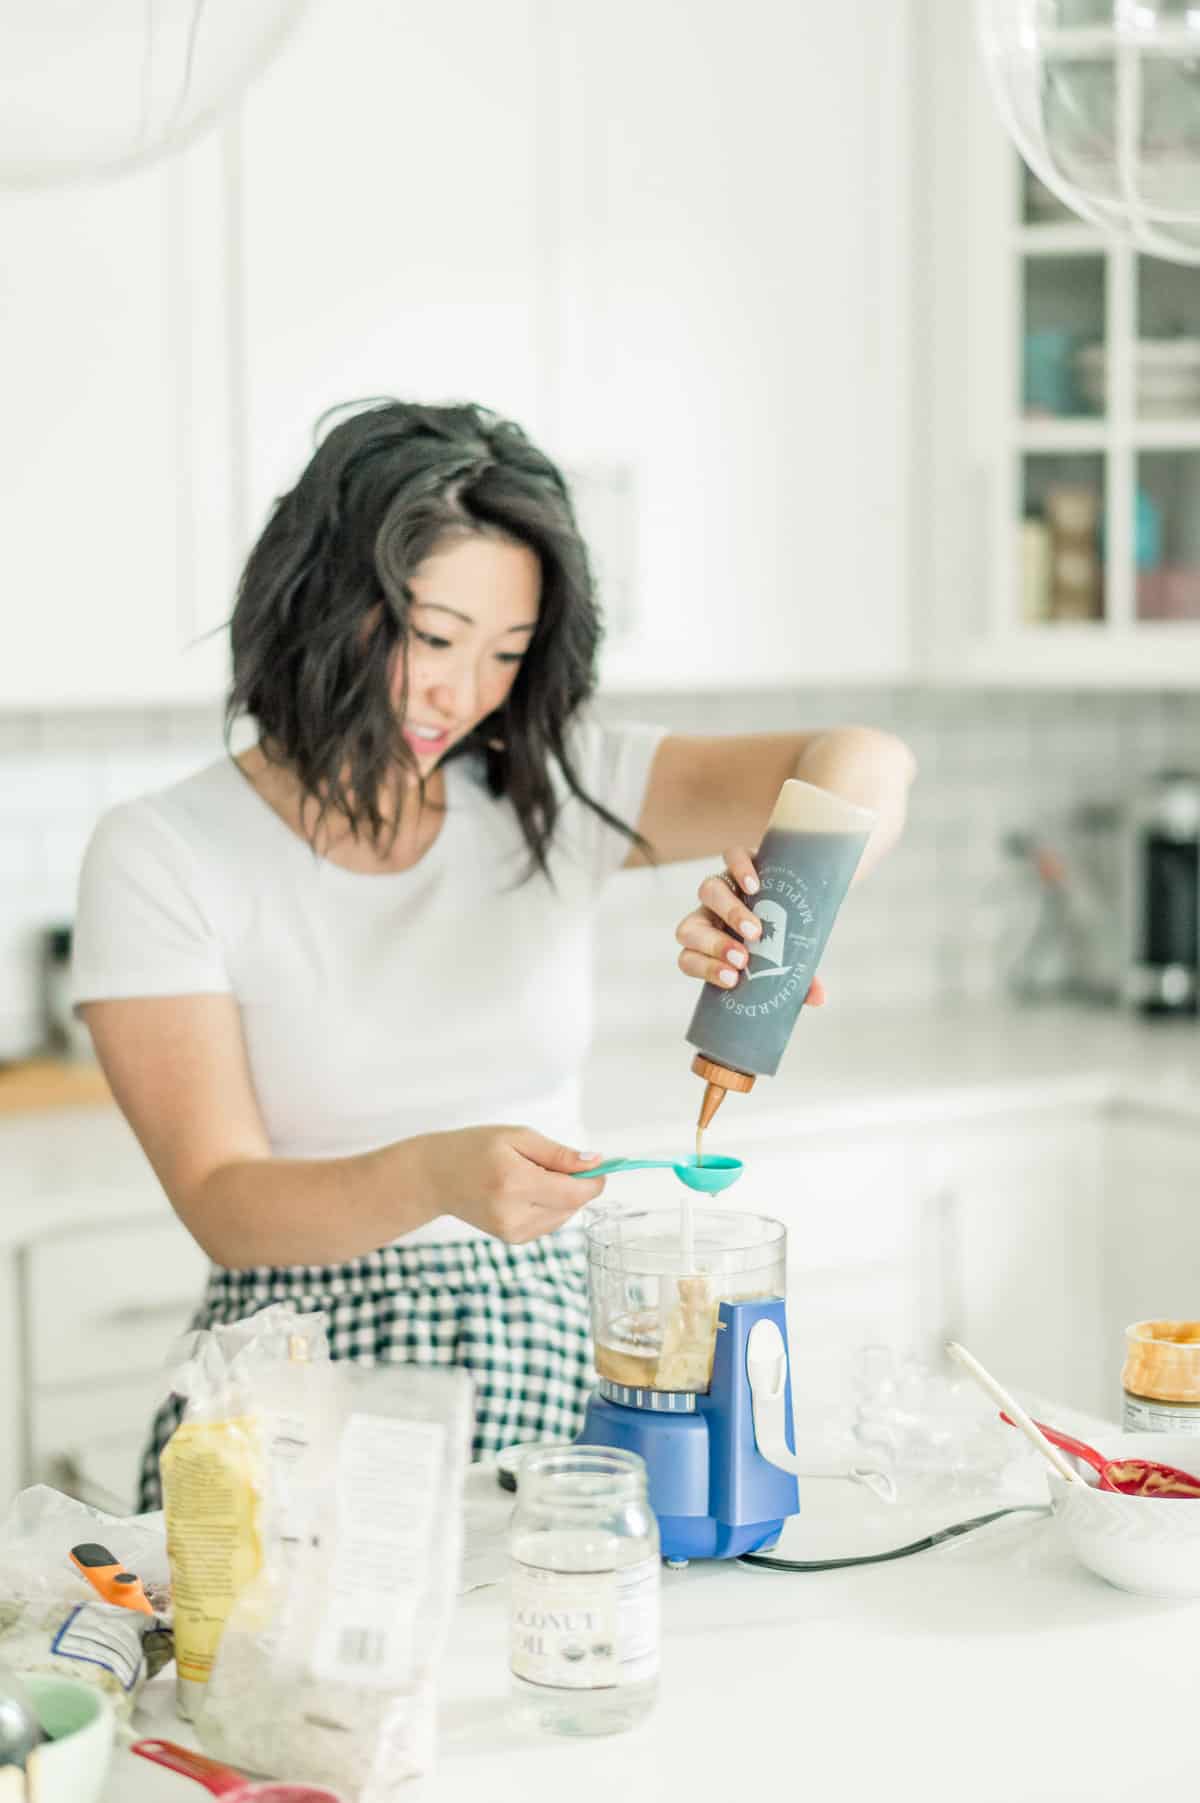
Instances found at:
x=657 y=1285
x=642 y=1352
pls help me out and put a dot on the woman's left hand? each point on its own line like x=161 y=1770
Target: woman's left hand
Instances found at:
x=715 y=935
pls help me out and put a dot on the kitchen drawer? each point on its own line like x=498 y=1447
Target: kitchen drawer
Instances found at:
x=108 y=1302
x=88 y=1442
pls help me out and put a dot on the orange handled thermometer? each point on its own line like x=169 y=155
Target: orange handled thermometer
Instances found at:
x=109 y=1577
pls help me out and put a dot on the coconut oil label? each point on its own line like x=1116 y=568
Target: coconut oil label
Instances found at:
x=563 y=1627
x=588 y=1630
x=637 y=1621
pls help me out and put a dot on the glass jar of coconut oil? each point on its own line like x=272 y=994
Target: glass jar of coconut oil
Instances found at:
x=584 y=1601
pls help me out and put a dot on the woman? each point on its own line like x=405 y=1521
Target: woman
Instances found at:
x=313 y=970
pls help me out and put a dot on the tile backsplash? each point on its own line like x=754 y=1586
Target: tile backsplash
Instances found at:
x=923 y=929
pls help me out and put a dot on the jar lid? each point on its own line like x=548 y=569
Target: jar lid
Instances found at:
x=509 y=1461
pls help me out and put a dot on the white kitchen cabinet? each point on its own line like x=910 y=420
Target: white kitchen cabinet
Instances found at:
x=124 y=1286
x=88 y=1442
x=1031 y=1256
x=671 y=244
x=101 y=1308
x=1056 y=513
x=116 y=456
x=13 y=1398
x=733 y=205
x=1151 y=1228
x=394 y=225
x=983 y=1228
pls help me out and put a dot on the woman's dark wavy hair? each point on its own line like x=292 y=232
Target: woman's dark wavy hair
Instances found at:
x=323 y=607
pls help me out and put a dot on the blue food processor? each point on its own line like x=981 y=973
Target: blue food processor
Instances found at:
x=690 y=1330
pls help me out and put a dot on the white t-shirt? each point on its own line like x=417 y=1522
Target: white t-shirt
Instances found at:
x=373 y=1007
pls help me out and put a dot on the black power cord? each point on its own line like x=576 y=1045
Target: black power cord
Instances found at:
x=897 y=1552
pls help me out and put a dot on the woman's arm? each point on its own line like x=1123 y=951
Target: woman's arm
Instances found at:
x=178 y=1069
x=708 y=794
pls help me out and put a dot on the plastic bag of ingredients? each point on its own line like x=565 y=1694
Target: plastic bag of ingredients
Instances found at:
x=52 y=1620
x=940 y=1440
x=326 y=1671
x=251 y=1388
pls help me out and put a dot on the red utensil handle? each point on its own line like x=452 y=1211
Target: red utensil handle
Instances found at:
x=1066 y=1443
x=220 y=1780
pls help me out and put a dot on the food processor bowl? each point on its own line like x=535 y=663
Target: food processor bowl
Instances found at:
x=656 y=1284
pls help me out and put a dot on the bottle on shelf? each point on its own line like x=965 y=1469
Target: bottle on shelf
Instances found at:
x=1035 y=570
x=1076 y=583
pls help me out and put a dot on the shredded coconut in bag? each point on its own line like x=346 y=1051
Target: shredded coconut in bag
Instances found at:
x=327 y=1667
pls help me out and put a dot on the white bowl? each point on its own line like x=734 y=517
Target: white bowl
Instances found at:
x=1147 y=1544
x=73 y=1764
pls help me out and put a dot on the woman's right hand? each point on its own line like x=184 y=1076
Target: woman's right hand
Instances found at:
x=714 y=936
x=509 y=1181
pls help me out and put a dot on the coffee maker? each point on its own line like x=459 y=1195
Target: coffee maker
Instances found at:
x=1164 y=896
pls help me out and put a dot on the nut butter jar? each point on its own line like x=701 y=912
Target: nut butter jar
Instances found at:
x=1161 y=1378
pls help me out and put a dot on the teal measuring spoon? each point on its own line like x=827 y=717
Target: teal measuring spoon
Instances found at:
x=713 y=1175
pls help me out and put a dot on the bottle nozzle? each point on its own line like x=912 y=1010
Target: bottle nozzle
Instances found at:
x=714 y=1095
x=719 y=1079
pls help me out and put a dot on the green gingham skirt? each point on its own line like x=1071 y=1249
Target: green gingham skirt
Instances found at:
x=515 y=1317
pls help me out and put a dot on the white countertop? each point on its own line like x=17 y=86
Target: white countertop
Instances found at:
x=844 y=1068
x=990 y=1669
x=933 y=1677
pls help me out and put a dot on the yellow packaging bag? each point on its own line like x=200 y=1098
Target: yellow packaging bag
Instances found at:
x=225 y=1466
x=212 y=1497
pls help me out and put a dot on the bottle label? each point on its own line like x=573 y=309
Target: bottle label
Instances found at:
x=802 y=879
x=584 y=1630
x=1141 y=1416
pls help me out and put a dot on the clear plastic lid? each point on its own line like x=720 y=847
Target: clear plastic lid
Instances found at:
x=725 y=1242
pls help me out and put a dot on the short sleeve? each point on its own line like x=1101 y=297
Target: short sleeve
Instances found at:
x=612 y=763
x=140 y=925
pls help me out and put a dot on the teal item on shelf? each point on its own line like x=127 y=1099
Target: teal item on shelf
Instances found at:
x=1049 y=383
x=1147 y=532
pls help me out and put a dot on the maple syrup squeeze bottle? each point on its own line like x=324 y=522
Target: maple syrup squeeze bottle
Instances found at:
x=809 y=853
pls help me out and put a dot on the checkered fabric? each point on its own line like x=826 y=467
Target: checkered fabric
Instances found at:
x=515 y=1317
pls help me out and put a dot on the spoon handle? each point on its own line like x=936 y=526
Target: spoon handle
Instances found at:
x=1066 y=1443
x=221 y=1780
x=987 y=1383
x=611 y=1165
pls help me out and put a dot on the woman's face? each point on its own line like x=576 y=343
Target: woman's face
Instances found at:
x=474 y=607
